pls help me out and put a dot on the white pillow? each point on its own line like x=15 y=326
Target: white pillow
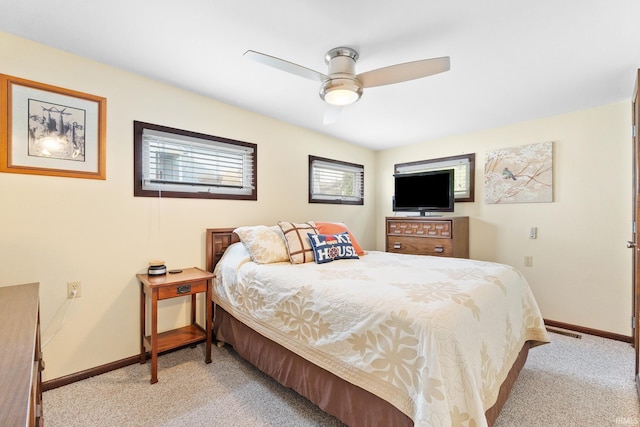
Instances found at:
x=265 y=244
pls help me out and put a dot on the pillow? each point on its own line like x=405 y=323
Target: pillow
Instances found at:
x=330 y=247
x=297 y=240
x=338 y=227
x=265 y=244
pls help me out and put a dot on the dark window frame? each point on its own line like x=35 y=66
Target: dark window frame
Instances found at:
x=138 y=159
x=338 y=200
x=444 y=163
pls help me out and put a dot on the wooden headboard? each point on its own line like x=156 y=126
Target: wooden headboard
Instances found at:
x=218 y=240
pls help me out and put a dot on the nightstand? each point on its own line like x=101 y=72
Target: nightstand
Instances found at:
x=189 y=282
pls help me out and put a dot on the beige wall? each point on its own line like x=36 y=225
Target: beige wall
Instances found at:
x=56 y=230
x=581 y=272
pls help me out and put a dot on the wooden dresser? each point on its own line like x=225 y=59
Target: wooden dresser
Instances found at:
x=439 y=236
x=20 y=356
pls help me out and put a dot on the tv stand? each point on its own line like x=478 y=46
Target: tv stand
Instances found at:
x=424 y=235
x=430 y=214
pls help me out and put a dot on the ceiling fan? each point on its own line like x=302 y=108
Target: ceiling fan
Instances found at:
x=341 y=85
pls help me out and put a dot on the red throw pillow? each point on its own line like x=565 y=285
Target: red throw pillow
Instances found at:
x=337 y=228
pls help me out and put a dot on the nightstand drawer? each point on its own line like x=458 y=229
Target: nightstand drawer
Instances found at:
x=419 y=246
x=178 y=290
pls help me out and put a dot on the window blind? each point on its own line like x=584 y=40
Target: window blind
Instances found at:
x=336 y=181
x=187 y=164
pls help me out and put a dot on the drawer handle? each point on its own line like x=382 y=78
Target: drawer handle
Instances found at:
x=438 y=249
x=184 y=289
x=396 y=245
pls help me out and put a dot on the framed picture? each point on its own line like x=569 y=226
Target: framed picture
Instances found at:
x=48 y=130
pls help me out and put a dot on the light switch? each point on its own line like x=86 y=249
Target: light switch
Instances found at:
x=533 y=232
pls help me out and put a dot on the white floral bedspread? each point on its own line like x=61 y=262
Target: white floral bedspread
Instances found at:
x=433 y=336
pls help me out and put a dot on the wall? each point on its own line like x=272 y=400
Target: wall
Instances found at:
x=54 y=230
x=581 y=270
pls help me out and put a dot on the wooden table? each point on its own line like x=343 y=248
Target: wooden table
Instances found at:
x=190 y=281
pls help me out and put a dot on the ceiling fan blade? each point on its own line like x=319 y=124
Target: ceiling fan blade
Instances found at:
x=283 y=65
x=331 y=113
x=404 y=72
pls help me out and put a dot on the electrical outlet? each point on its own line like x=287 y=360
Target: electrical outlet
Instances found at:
x=528 y=261
x=74 y=286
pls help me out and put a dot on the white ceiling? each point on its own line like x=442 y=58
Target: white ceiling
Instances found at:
x=511 y=61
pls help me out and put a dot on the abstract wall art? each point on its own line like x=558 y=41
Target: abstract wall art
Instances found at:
x=522 y=174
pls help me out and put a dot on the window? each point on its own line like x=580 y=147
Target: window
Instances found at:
x=177 y=163
x=464 y=172
x=333 y=181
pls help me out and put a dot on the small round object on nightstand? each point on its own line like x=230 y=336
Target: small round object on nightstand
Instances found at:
x=156 y=268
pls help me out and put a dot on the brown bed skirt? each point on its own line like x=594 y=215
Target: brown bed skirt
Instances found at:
x=349 y=403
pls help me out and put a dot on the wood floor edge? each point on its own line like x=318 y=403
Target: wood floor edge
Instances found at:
x=102 y=369
x=588 y=331
x=88 y=373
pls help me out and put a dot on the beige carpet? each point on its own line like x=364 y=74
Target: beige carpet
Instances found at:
x=570 y=382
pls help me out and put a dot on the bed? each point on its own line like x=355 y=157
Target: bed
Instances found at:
x=377 y=340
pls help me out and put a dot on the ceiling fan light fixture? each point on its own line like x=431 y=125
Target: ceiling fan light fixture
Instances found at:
x=341 y=91
x=341 y=97
x=341 y=85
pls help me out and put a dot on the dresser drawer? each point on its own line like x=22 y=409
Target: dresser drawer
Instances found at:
x=420 y=246
x=442 y=236
x=177 y=290
x=435 y=229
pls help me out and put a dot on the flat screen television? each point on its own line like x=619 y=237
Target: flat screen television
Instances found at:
x=424 y=192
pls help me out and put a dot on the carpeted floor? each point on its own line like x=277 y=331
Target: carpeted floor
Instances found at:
x=570 y=382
